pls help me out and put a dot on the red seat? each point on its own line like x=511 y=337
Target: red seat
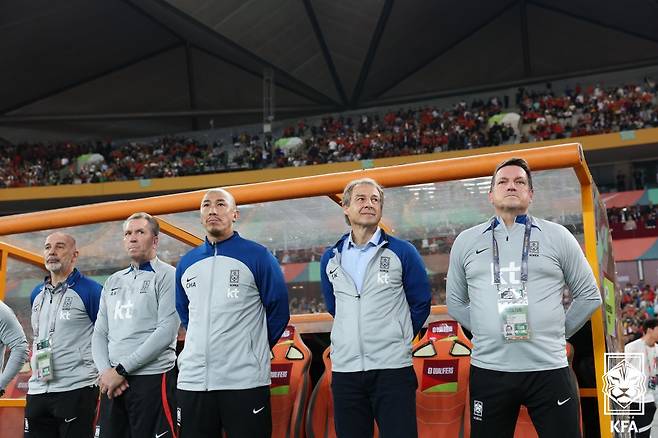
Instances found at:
x=12 y=418
x=320 y=414
x=524 y=426
x=441 y=361
x=11 y=422
x=291 y=385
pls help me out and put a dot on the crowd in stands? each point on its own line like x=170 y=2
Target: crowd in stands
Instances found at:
x=638 y=303
x=594 y=110
x=52 y=164
x=543 y=115
x=633 y=221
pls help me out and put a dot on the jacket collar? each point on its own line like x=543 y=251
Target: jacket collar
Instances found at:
x=209 y=247
x=520 y=219
x=146 y=266
x=70 y=280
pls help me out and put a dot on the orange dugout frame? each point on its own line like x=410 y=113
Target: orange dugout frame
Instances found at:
x=605 y=329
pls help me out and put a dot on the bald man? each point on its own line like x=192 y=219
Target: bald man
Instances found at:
x=62 y=392
x=232 y=299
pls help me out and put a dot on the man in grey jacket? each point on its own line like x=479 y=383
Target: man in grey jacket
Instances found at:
x=13 y=337
x=233 y=301
x=376 y=288
x=62 y=392
x=135 y=339
x=505 y=283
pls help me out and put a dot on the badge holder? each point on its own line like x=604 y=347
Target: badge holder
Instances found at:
x=513 y=312
x=44 y=361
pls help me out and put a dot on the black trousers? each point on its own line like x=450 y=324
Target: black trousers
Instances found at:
x=67 y=414
x=643 y=422
x=145 y=409
x=386 y=396
x=551 y=397
x=242 y=413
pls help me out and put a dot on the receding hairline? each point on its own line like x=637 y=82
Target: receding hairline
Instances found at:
x=70 y=239
x=348 y=191
x=223 y=192
x=151 y=222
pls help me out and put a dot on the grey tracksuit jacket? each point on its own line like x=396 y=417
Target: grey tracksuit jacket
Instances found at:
x=137 y=322
x=555 y=261
x=70 y=309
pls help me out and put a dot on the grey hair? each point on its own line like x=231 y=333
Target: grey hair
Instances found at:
x=349 y=188
x=153 y=222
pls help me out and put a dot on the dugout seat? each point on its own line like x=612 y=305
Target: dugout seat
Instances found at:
x=320 y=413
x=12 y=419
x=291 y=385
x=441 y=360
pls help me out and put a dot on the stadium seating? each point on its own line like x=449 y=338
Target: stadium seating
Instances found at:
x=291 y=385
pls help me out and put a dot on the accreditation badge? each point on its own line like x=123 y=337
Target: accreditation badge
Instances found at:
x=513 y=313
x=44 y=361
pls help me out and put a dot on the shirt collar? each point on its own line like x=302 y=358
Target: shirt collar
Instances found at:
x=374 y=240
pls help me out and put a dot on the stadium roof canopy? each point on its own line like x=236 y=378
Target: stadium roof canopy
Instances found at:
x=141 y=67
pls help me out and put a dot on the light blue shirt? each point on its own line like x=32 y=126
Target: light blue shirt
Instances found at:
x=355 y=259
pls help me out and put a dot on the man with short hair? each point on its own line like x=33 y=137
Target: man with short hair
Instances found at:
x=377 y=290
x=505 y=283
x=232 y=299
x=646 y=346
x=12 y=337
x=62 y=393
x=134 y=343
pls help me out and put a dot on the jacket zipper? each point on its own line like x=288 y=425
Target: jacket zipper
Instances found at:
x=363 y=366
x=210 y=294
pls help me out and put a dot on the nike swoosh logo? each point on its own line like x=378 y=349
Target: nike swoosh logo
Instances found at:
x=114 y=288
x=190 y=279
x=560 y=403
x=255 y=411
x=68 y=420
x=331 y=272
x=478 y=251
x=158 y=435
